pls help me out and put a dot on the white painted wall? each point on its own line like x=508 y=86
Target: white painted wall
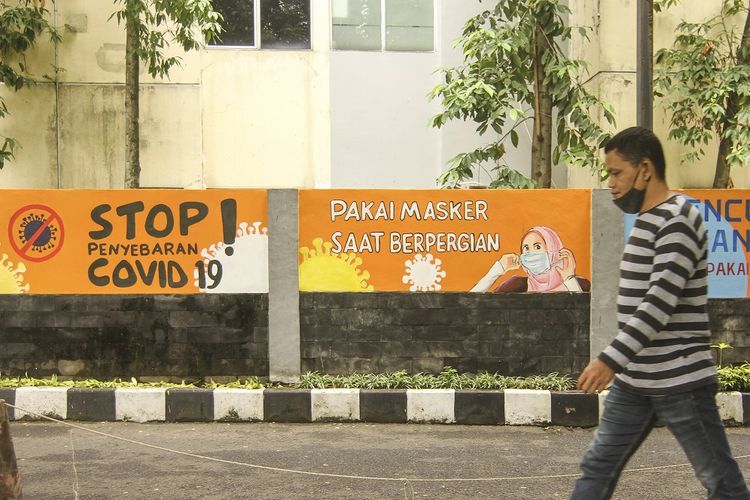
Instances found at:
x=379 y=120
x=380 y=114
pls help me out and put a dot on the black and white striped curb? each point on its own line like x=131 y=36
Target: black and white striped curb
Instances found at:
x=447 y=406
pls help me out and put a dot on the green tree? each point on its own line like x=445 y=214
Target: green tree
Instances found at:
x=705 y=84
x=151 y=27
x=21 y=25
x=514 y=71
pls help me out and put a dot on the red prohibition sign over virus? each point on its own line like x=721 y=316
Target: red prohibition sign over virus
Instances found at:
x=36 y=232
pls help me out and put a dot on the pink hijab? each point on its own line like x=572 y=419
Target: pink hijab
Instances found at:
x=549 y=281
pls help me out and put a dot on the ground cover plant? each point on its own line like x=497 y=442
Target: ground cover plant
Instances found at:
x=449 y=378
x=731 y=378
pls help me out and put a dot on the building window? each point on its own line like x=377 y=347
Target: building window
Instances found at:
x=264 y=24
x=398 y=25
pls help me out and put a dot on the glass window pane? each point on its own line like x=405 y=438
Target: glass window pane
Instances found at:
x=356 y=24
x=285 y=24
x=409 y=25
x=238 y=23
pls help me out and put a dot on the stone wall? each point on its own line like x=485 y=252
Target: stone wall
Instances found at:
x=194 y=336
x=513 y=334
x=109 y=336
x=730 y=323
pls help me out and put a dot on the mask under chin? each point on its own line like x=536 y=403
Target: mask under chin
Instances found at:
x=632 y=201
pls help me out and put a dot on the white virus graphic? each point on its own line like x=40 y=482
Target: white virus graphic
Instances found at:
x=11 y=277
x=423 y=273
x=244 y=269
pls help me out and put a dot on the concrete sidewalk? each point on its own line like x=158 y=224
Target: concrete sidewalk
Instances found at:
x=57 y=461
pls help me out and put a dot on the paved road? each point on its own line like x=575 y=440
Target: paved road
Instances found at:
x=64 y=463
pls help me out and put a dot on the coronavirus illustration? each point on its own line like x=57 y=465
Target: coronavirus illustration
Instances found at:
x=324 y=271
x=243 y=269
x=423 y=273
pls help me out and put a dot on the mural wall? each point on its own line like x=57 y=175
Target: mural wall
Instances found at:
x=449 y=240
x=133 y=241
x=727 y=216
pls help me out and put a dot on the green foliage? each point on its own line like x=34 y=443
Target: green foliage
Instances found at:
x=449 y=378
x=54 y=381
x=160 y=23
x=735 y=378
x=248 y=383
x=494 y=88
x=705 y=82
x=21 y=25
x=721 y=346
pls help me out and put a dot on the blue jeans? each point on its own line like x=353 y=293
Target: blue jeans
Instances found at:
x=692 y=417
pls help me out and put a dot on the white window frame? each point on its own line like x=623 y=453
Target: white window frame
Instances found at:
x=436 y=7
x=256 y=33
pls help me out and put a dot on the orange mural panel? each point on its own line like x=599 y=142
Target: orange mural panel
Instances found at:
x=133 y=241
x=449 y=240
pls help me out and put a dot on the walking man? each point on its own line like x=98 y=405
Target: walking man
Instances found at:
x=660 y=359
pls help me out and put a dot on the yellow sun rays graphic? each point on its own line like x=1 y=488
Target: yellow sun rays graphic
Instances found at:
x=324 y=271
x=11 y=277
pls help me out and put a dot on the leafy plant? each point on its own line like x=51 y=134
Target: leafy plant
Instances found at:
x=248 y=383
x=449 y=378
x=54 y=381
x=21 y=25
x=735 y=378
x=721 y=346
x=705 y=84
x=514 y=71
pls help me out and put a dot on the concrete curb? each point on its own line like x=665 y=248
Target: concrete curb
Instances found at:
x=446 y=406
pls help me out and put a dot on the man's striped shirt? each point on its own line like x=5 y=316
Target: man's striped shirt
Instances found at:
x=663 y=340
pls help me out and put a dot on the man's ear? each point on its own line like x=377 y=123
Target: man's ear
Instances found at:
x=648 y=170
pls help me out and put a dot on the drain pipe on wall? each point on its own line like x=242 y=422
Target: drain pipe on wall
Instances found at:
x=644 y=66
x=57 y=100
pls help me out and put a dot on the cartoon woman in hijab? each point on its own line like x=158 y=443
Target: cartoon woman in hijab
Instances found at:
x=549 y=266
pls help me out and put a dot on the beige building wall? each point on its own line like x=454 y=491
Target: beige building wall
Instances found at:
x=611 y=54
x=257 y=118
x=224 y=118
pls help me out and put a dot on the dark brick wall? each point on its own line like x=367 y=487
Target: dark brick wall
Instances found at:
x=730 y=323
x=513 y=334
x=109 y=336
x=227 y=335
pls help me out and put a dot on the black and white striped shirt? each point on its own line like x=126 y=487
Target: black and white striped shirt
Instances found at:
x=663 y=341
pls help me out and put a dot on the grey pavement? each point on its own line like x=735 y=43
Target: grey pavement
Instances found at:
x=60 y=462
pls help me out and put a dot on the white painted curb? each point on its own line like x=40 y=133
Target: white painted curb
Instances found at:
x=730 y=406
x=141 y=405
x=527 y=407
x=238 y=404
x=431 y=405
x=335 y=404
x=50 y=401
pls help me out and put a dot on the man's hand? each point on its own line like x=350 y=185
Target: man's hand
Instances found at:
x=595 y=377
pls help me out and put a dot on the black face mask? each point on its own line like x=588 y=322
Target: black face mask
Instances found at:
x=632 y=201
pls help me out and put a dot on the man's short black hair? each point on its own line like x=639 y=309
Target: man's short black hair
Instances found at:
x=635 y=144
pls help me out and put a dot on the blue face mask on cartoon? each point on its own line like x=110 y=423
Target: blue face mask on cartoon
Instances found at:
x=535 y=262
